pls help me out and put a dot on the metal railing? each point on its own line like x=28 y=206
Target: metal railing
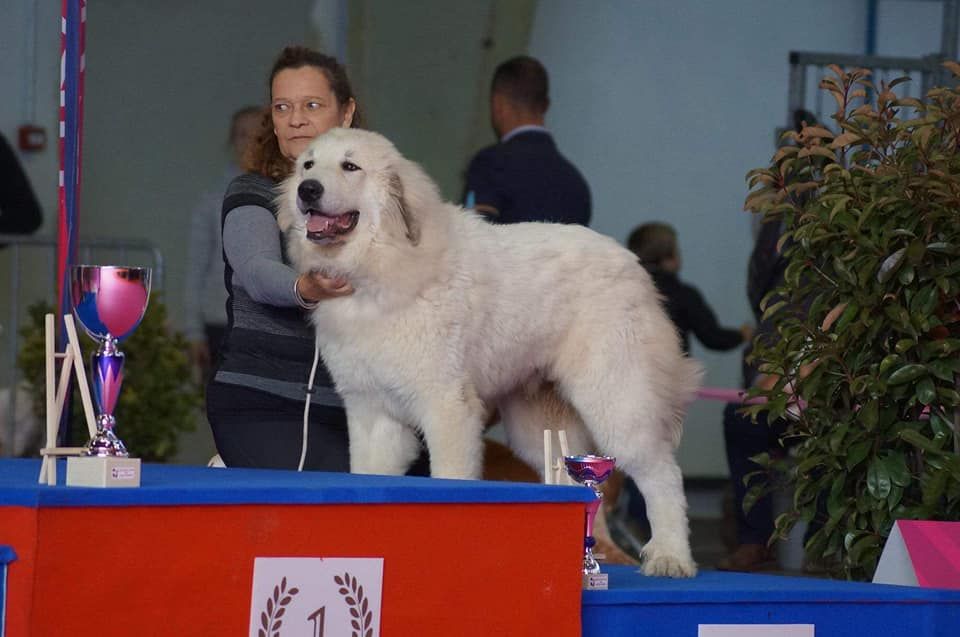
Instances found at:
x=15 y=254
x=807 y=69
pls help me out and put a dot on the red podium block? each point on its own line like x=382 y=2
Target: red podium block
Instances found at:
x=176 y=556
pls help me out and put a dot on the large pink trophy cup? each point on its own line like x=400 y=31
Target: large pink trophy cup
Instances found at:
x=109 y=302
x=591 y=471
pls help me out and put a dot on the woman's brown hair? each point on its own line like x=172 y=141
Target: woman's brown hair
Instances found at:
x=263 y=155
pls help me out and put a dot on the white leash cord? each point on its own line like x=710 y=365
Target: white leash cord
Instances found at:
x=306 y=404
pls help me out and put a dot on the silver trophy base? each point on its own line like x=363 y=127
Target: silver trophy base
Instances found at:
x=105 y=444
x=595 y=581
x=103 y=471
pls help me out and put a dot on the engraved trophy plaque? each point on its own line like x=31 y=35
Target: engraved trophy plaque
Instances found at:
x=109 y=302
x=591 y=471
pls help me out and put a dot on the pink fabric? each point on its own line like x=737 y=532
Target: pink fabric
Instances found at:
x=592 y=508
x=934 y=549
x=110 y=389
x=121 y=303
x=727 y=395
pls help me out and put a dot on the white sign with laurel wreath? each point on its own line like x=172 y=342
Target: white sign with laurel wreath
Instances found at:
x=316 y=597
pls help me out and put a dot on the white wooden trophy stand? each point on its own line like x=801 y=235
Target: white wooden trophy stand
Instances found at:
x=555 y=472
x=82 y=471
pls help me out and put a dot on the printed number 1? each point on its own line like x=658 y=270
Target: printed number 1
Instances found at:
x=317 y=625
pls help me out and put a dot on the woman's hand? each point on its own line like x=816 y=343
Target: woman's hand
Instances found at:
x=314 y=286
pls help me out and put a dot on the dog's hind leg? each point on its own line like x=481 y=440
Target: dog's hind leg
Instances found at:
x=633 y=427
x=661 y=484
x=379 y=443
x=526 y=413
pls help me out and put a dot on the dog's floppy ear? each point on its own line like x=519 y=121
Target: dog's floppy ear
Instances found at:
x=410 y=221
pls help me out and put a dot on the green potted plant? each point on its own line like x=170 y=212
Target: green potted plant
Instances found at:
x=159 y=399
x=868 y=317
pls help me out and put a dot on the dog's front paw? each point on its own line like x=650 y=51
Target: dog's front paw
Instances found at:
x=658 y=561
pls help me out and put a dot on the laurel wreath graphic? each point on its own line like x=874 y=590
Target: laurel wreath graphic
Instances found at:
x=352 y=592
x=270 y=619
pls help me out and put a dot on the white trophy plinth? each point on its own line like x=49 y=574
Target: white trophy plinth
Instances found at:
x=103 y=471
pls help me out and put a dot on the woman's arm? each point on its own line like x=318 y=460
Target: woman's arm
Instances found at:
x=251 y=241
x=703 y=323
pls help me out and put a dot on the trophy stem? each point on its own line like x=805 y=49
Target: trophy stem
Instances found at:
x=590 y=565
x=107 y=373
x=590 y=471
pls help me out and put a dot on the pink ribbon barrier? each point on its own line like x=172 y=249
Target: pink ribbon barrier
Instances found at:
x=728 y=395
x=737 y=396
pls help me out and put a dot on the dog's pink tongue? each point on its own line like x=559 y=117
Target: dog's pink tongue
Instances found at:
x=320 y=224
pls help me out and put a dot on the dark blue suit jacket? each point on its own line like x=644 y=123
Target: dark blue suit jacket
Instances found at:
x=527 y=179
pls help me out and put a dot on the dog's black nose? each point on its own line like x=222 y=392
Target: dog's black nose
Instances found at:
x=310 y=191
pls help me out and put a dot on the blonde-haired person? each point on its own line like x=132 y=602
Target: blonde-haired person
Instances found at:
x=256 y=397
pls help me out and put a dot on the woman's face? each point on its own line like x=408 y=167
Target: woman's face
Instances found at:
x=304 y=106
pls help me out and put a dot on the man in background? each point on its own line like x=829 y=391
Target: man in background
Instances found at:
x=524 y=177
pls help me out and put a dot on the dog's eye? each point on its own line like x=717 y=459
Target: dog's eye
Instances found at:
x=349 y=166
x=307 y=165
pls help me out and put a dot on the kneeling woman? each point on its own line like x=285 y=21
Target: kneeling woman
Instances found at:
x=255 y=400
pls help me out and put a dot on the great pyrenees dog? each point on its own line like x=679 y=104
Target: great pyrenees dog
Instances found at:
x=555 y=326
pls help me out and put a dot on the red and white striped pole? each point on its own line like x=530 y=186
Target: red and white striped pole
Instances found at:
x=73 y=16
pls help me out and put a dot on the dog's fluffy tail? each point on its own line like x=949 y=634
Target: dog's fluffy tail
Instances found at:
x=688 y=377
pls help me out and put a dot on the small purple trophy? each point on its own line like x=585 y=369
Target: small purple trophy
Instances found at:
x=109 y=302
x=591 y=471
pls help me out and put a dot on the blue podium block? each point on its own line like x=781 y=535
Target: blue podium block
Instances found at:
x=662 y=607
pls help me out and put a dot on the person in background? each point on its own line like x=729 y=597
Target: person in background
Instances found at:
x=655 y=245
x=744 y=438
x=524 y=177
x=255 y=399
x=205 y=317
x=19 y=209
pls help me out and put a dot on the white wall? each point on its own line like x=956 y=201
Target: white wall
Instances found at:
x=162 y=79
x=29 y=89
x=29 y=69
x=666 y=104
x=908 y=27
x=422 y=70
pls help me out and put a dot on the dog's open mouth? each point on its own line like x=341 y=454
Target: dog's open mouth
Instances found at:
x=323 y=227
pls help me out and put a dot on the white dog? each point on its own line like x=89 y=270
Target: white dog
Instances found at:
x=556 y=326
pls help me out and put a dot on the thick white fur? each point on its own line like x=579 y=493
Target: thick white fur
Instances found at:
x=557 y=326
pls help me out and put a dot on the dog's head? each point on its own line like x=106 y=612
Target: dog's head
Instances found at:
x=351 y=189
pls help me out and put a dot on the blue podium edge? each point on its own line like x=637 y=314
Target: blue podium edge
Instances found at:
x=174 y=485
x=629 y=587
